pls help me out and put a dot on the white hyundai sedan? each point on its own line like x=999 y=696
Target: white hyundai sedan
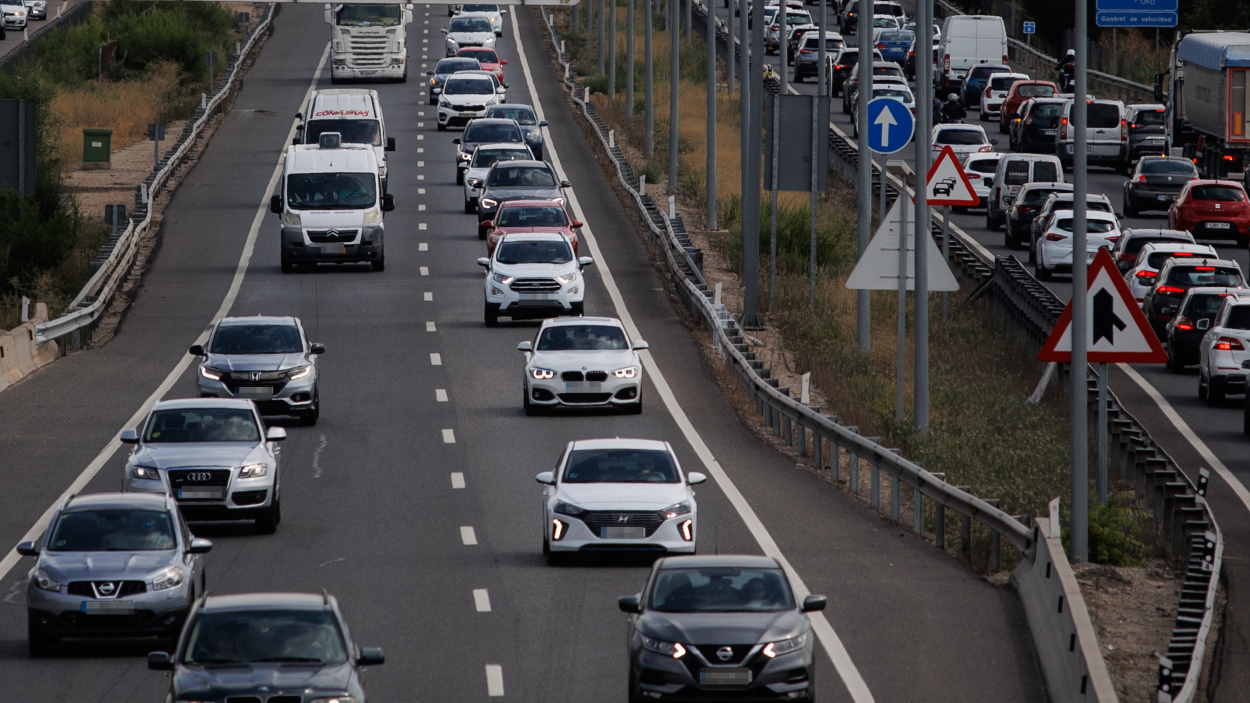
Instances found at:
x=618 y=495
x=1053 y=249
x=582 y=362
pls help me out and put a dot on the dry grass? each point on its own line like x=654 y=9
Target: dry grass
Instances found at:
x=126 y=107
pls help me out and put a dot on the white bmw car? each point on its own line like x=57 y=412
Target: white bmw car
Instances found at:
x=582 y=362
x=618 y=495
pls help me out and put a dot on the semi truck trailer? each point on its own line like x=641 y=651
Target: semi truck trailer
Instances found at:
x=1207 y=93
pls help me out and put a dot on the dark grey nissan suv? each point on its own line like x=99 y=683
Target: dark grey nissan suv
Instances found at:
x=717 y=628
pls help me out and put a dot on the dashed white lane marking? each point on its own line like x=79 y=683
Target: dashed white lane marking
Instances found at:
x=420 y=191
x=420 y=125
x=494 y=680
x=420 y=207
x=467 y=536
x=420 y=176
x=316 y=462
x=423 y=270
x=428 y=296
x=440 y=395
x=420 y=150
x=449 y=436
x=481 y=601
x=421 y=226
x=423 y=246
x=420 y=164
x=420 y=137
x=436 y=359
x=430 y=326
x=457 y=480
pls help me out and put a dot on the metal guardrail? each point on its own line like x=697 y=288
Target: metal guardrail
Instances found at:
x=97 y=292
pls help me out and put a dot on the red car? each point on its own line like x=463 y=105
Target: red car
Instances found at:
x=488 y=58
x=531 y=216
x=1212 y=209
x=1021 y=91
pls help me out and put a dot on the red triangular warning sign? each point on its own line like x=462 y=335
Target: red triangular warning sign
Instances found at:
x=1117 y=332
x=947 y=183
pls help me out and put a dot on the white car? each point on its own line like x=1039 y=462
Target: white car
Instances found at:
x=980 y=168
x=772 y=37
x=36 y=9
x=485 y=156
x=13 y=15
x=1053 y=249
x=963 y=139
x=492 y=12
x=618 y=494
x=532 y=275
x=1145 y=272
x=1223 y=350
x=466 y=97
x=468 y=30
x=996 y=88
x=582 y=362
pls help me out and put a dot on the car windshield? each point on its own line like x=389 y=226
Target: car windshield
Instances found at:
x=1169 y=167
x=1205 y=276
x=532 y=216
x=352 y=131
x=831 y=43
x=1103 y=115
x=714 y=589
x=1045 y=171
x=896 y=93
x=620 y=466
x=484 y=158
x=1036 y=90
x=254 y=636
x=1002 y=83
x=331 y=191
x=470 y=86
x=960 y=137
x=484 y=56
x=521 y=176
x=522 y=115
x=1223 y=194
x=983 y=72
x=534 y=252
x=447 y=66
x=464 y=25
x=1238 y=318
x=1045 y=115
x=256 y=339
x=885 y=22
x=492 y=132
x=115 y=530
x=1204 y=304
x=479 y=8
x=1092 y=226
x=1017 y=173
x=368 y=16
x=201 y=425
x=896 y=36
x=1036 y=196
x=583 y=338
x=986 y=166
x=1155 y=259
x=848 y=58
x=1148 y=118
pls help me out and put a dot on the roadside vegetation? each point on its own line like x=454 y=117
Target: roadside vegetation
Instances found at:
x=160 y=66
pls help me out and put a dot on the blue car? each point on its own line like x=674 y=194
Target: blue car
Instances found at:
x=976 y=79
x=894 y=44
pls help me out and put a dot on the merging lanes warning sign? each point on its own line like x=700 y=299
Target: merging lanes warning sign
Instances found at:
x=1118 y=331
x=948 y=184
x=878 y=268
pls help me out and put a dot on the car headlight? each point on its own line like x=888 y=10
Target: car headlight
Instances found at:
x=253 y=471
x=461 y=156
x=210 y=374
x=146 y=473
x=673 y=649
x=475 y=183
x=442 y=102
x=433 y=82
x=167 y=578
x=780 y=647
x=502 y=278
x=626 y=372
x=334 y=699
x=569 y=509
x=299 y=372
x=675 y=509
x=290 y=219
x=558 y=201
x=533 y=137
x=488 y=203
x=541 y=374
x=566 y=278
x=45 y=582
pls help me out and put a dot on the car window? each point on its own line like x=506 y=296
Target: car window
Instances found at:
x=1017 y=173
x=1103 y=115
x=447 y=66
x=492 y=132
x=522 y=115
x=1092 y=226
x=1045 y=115
x=307 y=636
x=116 y=530
x=720 y=589
x=470 y=86
x=469 y=24
x=1238 y=318
x=1003 y=83
x=1155 y=259
x=479 y=8
x=256 y=339
x=1034 y=90
x=583 y=338
x=533 y=216
x=521 y=176
x=1223 y=194
x=484 y=158
x=331 y=191
x=1204 y=304
x=1148 y=118
x=1205 y=276
x=1171 y=167
x=202 y=425
x=1035 y=196
x=485 y=56
x=986 y=166
x=848 y=58
x=960 y=137
x=1045 y=171
x=547 y=251
x=352 y=131
x=620 y=466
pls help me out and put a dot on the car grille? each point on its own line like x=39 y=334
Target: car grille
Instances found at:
x=740 y=651
x=648 y=520
x=252 y=376
x=535 y=285
x=192 y=477
x=323 y=236
x=584 y=397
x=258 y=699
x=593 y=376
x=368 y=50
x=123 y=588
x=596 y=376
x=467 y=108
x=572 y=376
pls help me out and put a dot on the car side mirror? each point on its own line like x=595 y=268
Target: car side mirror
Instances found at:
x=27 y=549
x=487 y=223
x=629 y=604
x=160 y=661
x=1203 y=324
x=316 y=348
x=388 y=202
x=501 y=90
x=503 y=62
x=370 y=656
x=543 y=123
x=526 y=346
x=584 y=261
x=196 y=350
x=565 y=184
x=993 y=141
x=483 y=262
x=275 y=434
x=199 y=545
x=444 y=30
x=694 y=478
x=456 y=140
x=295 y=140
x=429 y=73
x=390 y=143
x=577 y=225
x=814 y=603
x=546 y=478
x=641 y=344
x=275 y=204
x=129 y=436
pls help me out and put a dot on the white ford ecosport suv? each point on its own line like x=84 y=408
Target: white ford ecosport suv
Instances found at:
x=533 y=275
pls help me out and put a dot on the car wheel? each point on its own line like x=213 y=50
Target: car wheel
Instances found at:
x=1215 y=391
x=1245 y=420
x=530 y=408
x=469 y=207
x=310 y=417
x=490 y=314
x=1043 y=273
x=577 y=309
x=267 y=523
x=379 y=264
x=481 y=232
x=441 y=127
x=40 y=644
x=1202 y=387
x=989 y=220
x=1129 y=207
x=554 y=558
x=1174 y=361
x=288 y=266
x=635 y=408
x=459 y=176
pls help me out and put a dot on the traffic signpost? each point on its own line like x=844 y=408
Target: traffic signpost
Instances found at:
x=948 y=184
x=1030 y=27
x=890 y=125
x=1136 y=13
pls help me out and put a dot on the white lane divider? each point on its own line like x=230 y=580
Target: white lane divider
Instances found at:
x=832 y=644
x=467 y=536
x=457 y=480
x=420 y=138
x=420 y=163
x=481 y=602
x=430 y=326
x=420 y=176
x=423 y=246
x=436 y=359
x=422 y=227
x=428 y=296
x=420 y=207
x=449 y=436
x=423 y=270
x=494 y=680
x=440 y=395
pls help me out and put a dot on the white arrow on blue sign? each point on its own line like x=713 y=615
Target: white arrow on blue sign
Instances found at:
x=890 y=125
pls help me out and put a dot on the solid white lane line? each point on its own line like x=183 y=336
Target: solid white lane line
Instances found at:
x=494 y=680
x=240 y=271
x=467 y=536
x=428 y=296
x=436 y=359
x=423 y=246
x=430 y=326
x=481 y=603
x=457 y=480
x=833 y=645
x=440 y=395
x=423 y=270
x=449 y=436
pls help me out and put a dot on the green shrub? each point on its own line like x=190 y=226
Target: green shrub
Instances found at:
x=1114 y=533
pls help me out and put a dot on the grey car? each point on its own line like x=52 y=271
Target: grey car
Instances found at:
x=527 y=119
x=268 y=360
x=213 y=455
x=484 y=130
x=280 y=647
x=516 y=180
x=112 y=566
x=485 y=156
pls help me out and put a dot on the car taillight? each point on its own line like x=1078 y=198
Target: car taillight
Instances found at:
x=985 y=148
x=987 y=90
x=1063 y=128
x=1004 y=58
x=1147 y=275
x=1170 y=290
x=946 y=63
x=1123 y=129
x=1204 y=268
x=1055 y=237
x=1141 y=178
x=880 y=46
x=1229 y=344
x=911 y=54
x=1182 y=253
x=1184 y=323
x=1133 y=125
x=838 y=67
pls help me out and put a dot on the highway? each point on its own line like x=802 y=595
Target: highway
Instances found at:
x=371 y=510
x=14 y=38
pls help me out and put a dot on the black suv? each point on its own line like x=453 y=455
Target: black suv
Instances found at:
x=1146 y=131
x=1035 y=133
x=286 y=646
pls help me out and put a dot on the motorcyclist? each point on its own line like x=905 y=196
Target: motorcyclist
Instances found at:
x=953 y=109
x=1067 y=69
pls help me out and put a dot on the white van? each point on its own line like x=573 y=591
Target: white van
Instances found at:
x=968 y=40
x=1014 y=170
x=355 y=113
x=331 y=204
x=1107 y=134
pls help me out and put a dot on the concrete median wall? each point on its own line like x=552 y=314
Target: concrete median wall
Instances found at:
x=20 y=354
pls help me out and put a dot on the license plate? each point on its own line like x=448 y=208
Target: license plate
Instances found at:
x=333 y=249
x=535 y=296
x=201 y=493
x=256 y=391
x=725 y=677
x=1219 y=225
x=468 y=112
x=623 y=532
x=1164 y=197
x=1049 y=132
x=107 y=607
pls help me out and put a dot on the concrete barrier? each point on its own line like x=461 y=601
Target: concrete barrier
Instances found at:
x=20 y=354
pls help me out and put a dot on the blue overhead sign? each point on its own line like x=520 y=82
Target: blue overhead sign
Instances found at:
x=1030 y=27
x=1136 y=19
x=1138 y=5
x=890 y=125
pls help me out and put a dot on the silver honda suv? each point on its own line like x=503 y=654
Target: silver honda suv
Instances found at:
x=112 y=565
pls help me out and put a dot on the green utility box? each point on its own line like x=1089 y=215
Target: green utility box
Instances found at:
x=97 y=148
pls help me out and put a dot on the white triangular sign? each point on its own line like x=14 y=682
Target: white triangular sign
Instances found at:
x=878 y=268
x=947 y=183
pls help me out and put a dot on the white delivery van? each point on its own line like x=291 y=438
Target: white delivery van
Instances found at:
x=968 y=40
x=331 y=204
x=356 y=114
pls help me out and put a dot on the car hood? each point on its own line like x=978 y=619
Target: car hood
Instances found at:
x=524 y=193
x=591 y=360
x=326 y=219
x=105 y=566
x=462 y=37
x=623 y=496
x=179 y=454
x=255 y=362
x=722 y=628
x=533 y=270
x=468 y=98
x=509 y=229
x=219 y=681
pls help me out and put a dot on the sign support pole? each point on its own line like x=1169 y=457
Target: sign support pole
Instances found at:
x=920 y=381
x=1079 y=395
x=773 y=148
x=862 y=309
x=946 y=256
x=900 y=350
x=1103 y=370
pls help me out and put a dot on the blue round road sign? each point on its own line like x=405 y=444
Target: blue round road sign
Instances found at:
x=890 y=125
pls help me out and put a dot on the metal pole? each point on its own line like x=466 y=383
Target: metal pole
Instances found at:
x=751 y=202
x=900 y=350
x=1080 y=312
x=611 y=5
x=773 y=148
x=649 y=50
x=1104 y=371
x=920 y=377
x=864 y=41
x=744 y=111
x=630 y=60
x=781 y=49
x=674 y=85
x=603 y=31
x=817 y=103
x=690 y=17
x=946 y=256
x=731 y=50
x=711 y=118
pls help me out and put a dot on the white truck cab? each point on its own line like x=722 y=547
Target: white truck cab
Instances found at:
x=355 y=113
x=331 y=204
x=368 y=42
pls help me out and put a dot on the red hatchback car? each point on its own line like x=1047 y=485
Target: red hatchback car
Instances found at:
x=531 y=216
x=488 y=58
x=1020 y=92
x=1212 y=209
